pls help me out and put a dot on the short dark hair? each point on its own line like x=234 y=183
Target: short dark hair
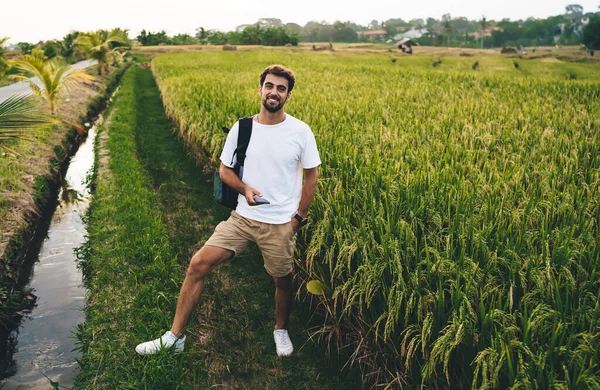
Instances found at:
x=281 y=71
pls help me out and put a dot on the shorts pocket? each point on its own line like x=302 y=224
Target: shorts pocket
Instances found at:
x=290 y=229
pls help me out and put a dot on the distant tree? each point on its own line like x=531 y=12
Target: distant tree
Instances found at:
x=3 y=64
x=431 y=24
x=52 y=48
x=417 y=23
x=25 y=47
x=484 y=25
x=251 y=35
x=269 y=22
x=591 y=33
x=390 y=29
x=343 y=33
x=69 y=49
x=184 y=39
x=103 y=46
x=573 y=15
x=461 y=25
x=153 y=39
x=202 y=35
x=447 y=25
x=217 y=37
x=510 y=33
x=318 y=32
x=574 y=9
x=293 y=27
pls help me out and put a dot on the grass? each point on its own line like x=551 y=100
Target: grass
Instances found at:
x=151 y=208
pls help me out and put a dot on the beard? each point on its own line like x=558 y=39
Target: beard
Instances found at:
x=270 y=108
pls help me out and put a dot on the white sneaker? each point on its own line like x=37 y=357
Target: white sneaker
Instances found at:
x=167 y=341
x=283 y=344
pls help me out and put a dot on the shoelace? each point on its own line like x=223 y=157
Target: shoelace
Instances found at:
x=281 y=339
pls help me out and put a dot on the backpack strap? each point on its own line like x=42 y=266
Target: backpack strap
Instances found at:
x=245 y=131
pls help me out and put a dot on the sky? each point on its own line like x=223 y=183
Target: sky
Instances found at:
x=53 y=19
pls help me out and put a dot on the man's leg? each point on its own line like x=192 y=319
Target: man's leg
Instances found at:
x=283 y=307
x=203 y=261
x=276 y=244
x=283 y=300
x=201 y=264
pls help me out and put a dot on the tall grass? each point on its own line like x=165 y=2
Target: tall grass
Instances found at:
x=456 y=222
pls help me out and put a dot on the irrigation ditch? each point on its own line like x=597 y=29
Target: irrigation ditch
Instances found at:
x=45 y=294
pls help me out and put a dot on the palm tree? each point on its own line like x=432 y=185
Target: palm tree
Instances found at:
x=3 y=66
x=54 y=76
x=100 y=45
x=18 y=114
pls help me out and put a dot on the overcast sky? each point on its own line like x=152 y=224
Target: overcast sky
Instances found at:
x=53 y=19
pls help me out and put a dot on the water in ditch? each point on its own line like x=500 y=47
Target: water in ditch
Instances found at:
x=44 y=340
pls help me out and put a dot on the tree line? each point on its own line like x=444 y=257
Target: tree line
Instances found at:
x=564 y=29
x=250 y=35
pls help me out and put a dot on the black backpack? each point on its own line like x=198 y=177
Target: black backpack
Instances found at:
x=224 y=194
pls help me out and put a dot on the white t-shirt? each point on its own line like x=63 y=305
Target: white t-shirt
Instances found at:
x=275 y=158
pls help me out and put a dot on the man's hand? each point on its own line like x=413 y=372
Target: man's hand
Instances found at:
x=249 y=193
x=295 y=225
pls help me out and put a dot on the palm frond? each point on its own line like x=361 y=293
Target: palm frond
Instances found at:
x=19 y=112
x=19 y=118
x=54 y=76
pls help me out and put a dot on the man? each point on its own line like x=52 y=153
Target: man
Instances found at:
x=282 y=150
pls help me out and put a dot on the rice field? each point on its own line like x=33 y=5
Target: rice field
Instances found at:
x=456 y=225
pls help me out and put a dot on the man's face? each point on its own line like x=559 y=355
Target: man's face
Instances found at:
x=274 y=93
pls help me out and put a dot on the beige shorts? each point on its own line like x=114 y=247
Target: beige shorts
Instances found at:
x=276 y=242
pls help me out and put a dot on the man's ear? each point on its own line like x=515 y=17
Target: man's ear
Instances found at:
x=289 y=96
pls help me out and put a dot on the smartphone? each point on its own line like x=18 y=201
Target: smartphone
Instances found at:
x=260 y=200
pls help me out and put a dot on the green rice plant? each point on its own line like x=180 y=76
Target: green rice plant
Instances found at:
x=456 y=222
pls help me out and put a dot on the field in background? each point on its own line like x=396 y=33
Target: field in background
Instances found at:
x=560 y=54
x=456 y=222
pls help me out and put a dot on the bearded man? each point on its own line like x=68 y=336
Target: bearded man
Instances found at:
x=281 y=153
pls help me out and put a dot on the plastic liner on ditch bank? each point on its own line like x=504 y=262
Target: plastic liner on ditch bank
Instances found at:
x=44 y=340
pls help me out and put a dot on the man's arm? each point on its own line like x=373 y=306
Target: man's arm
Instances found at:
x=309 y=188
x=232 y=180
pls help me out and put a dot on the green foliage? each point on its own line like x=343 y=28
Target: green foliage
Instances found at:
x=256 y=35
x=152 y=39
x=3 y=64
x=52 y=49
x=18 y=116
x=106 y=47
x=184 y=39
x=591 y=33
x=25 y=47
x=69 y=49
x=251 y=35
x=337 y=32
x=468 y=254
x=54 y=75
